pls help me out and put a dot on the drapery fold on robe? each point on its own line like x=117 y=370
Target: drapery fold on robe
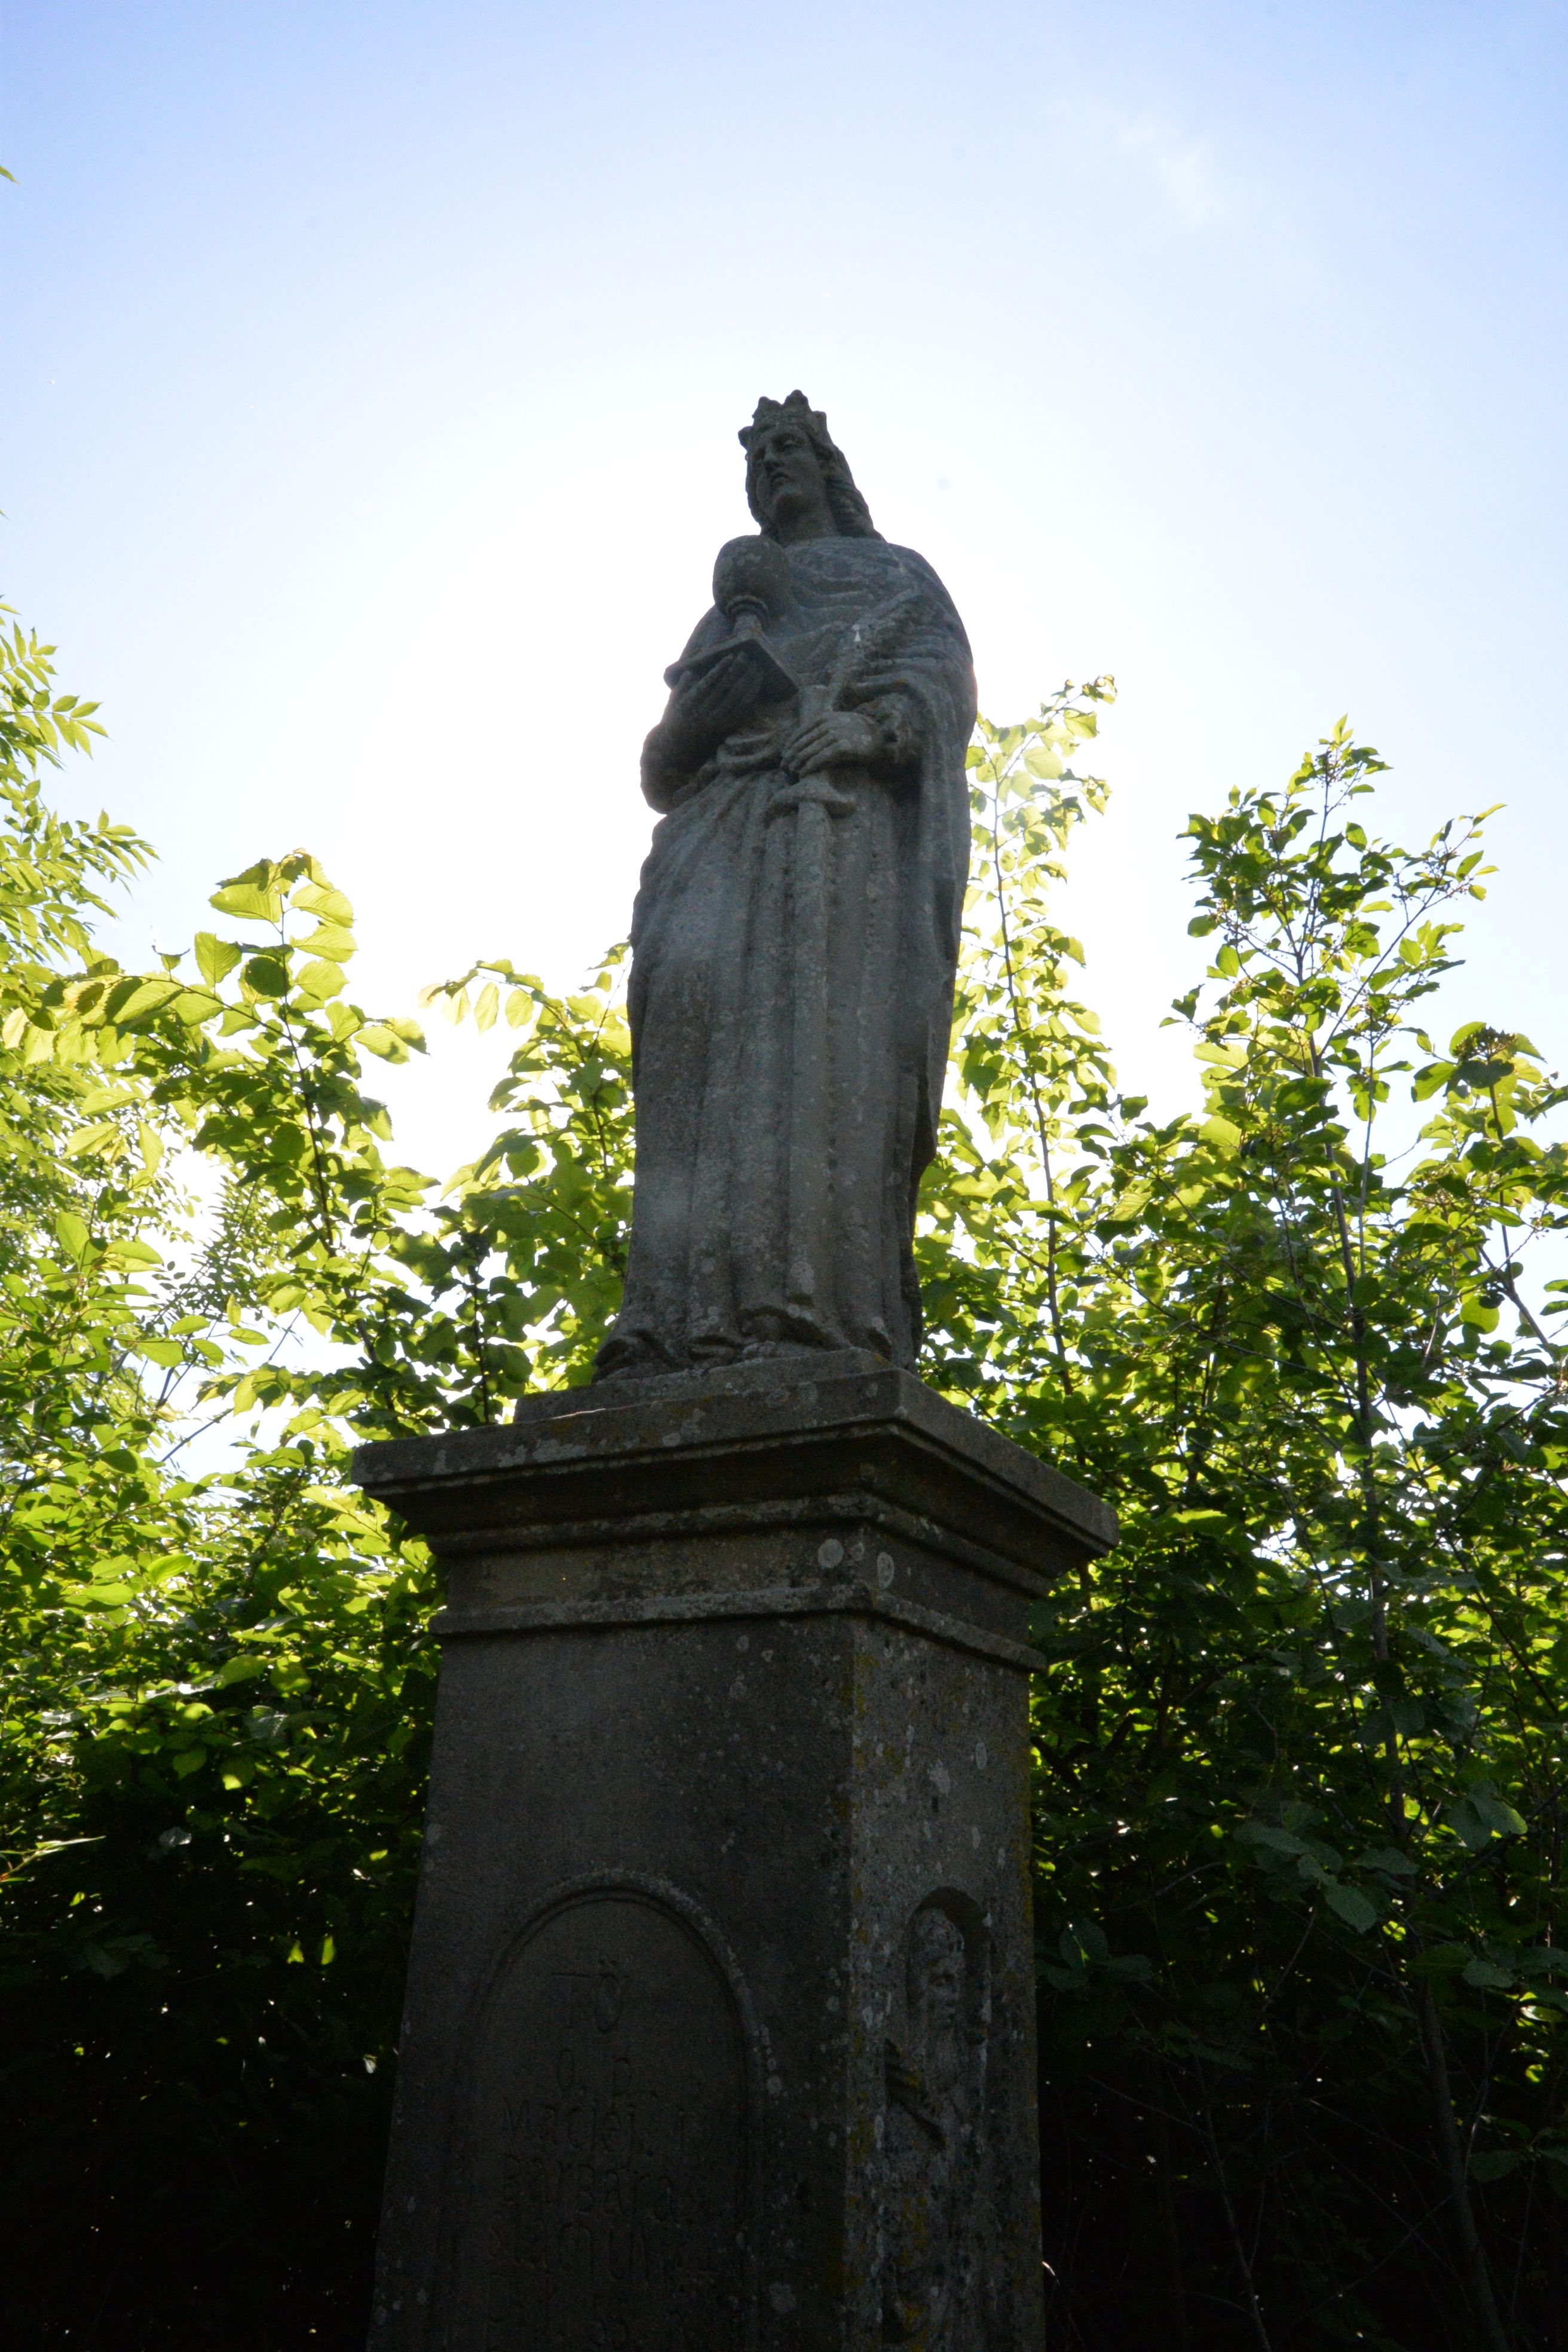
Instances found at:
x=792 y=989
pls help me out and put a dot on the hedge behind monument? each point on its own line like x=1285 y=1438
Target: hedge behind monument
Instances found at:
x=1299 y=1856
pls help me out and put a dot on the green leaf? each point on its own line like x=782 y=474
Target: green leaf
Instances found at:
x=254 y=894
x=328 y=940
x=215 y=958
x=319 y=980
x=72 y=1236
x=318 y=899
x=267 y=974
x=1263 y=1834
x=1499 y=1818
x=193 y=1006
x=1388 y=1858
x=92 y=1140
x=1475 y=1832
x=148 y=996
x=244 y=1668
x=1084 y=1940
x=377 y=1038
x=126 y=1250
x=1349 y=1906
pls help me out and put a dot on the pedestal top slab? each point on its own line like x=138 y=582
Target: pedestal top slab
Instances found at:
x=626 y=1452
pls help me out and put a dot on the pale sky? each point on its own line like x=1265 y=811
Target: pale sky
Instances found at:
x=372 y=377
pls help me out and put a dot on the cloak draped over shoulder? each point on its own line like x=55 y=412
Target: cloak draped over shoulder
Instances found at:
x=794 y=949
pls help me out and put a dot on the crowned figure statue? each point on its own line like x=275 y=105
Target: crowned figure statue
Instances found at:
x=795 y=933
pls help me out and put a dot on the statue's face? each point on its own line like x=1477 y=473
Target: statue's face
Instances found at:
x=938 y=1990
x=943 y=1987
x=790 y=488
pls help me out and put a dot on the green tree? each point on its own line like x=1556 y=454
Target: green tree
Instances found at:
x=1301 y=1750
x=217 y=1681
x=1300 y=1744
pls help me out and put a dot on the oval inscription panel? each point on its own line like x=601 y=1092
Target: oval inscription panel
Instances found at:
x=606 y=2142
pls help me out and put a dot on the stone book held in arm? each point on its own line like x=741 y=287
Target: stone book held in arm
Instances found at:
x=719 y=2033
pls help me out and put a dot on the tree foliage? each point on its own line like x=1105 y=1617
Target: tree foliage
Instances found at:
x=1300 y=1746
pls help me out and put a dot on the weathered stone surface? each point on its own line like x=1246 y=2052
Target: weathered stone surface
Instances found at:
x=796 y=931
x=719 y=2033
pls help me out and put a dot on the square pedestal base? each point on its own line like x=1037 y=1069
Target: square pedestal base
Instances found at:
x=720 y=2025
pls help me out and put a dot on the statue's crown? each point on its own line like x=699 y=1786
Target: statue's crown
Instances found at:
x=768 y=413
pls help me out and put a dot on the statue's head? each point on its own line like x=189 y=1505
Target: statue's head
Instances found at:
x=794 y=470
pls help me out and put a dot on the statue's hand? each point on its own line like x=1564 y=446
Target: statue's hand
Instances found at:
x=839 y=738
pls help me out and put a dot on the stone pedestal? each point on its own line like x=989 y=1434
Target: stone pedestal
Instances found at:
x=720 y=2024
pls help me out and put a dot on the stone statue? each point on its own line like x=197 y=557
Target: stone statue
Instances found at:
x=933 y=2258
x=797 y=932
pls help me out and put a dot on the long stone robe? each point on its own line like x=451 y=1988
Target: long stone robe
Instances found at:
x=792 y=989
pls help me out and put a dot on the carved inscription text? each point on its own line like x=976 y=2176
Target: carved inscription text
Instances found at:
x=607 y=2160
